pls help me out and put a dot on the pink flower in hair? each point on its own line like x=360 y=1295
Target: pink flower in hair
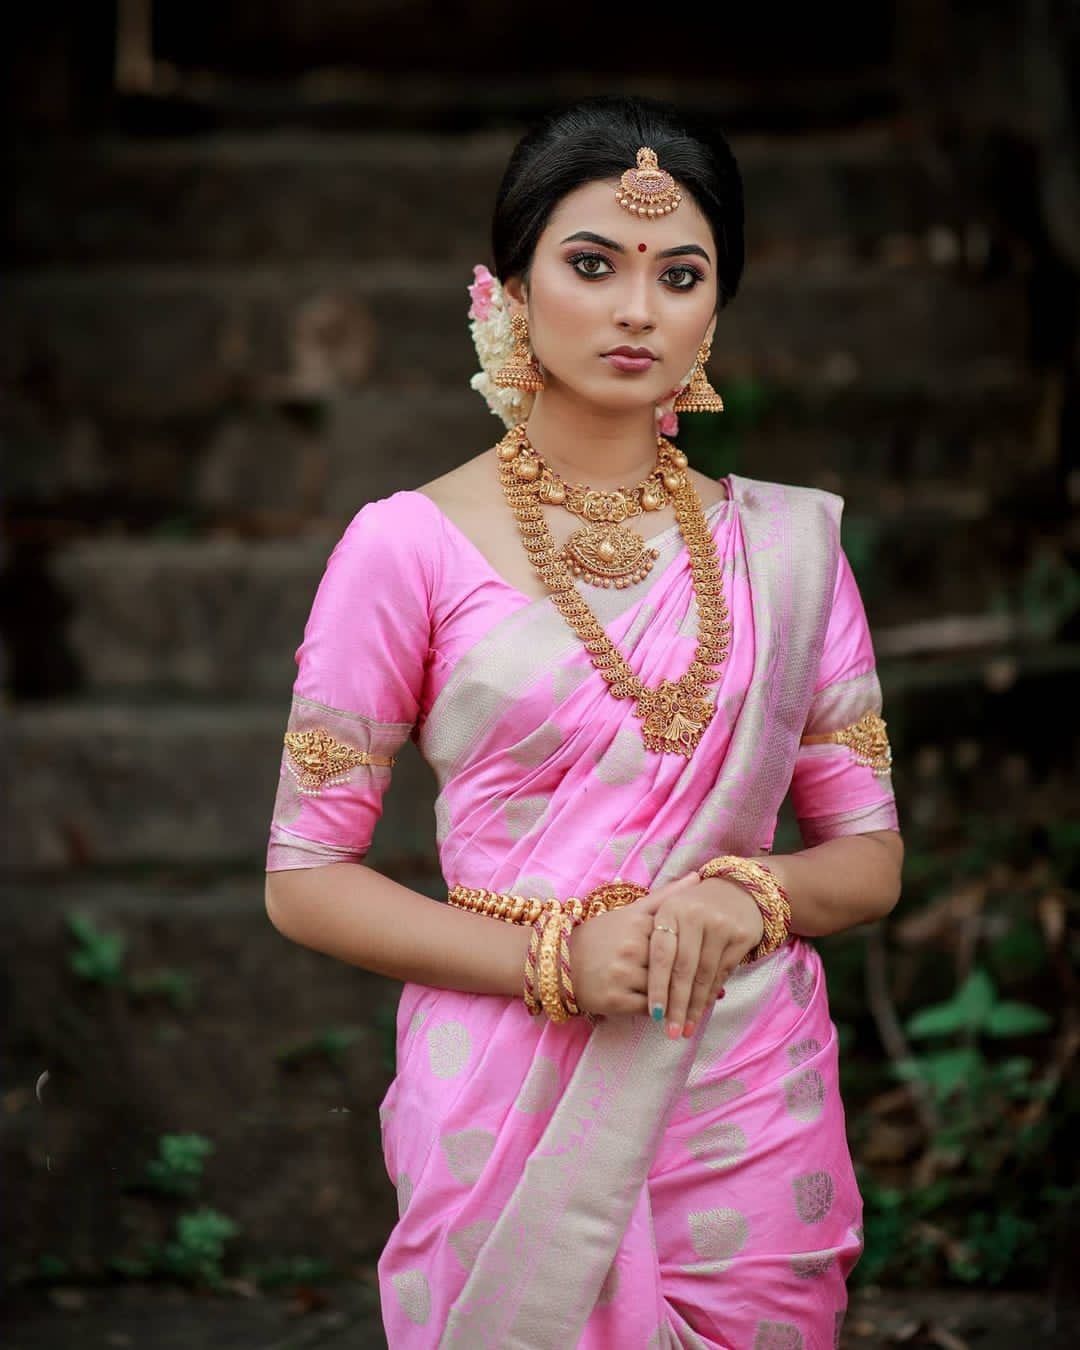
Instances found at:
x=481 y=292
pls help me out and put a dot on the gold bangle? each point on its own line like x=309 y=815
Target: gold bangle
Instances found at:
x=569 y=923
x=549 y=968
x=531 y=979
x=767 y=893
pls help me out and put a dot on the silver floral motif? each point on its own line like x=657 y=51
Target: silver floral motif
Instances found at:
x=803 y=1050
x=623 y=760
x=800 y=980
x=449 y=1047
x=811 y=1265
x=718 y=1145
x=524 y=813
x=717 y=1234
x=538 y=746
x=414 y=1295
x=466 y=1242
x=404 y=1192
x=814 y=1193
x=466 y=1153
x=777 y=1336
x=707 y=1096
x=804 y=1094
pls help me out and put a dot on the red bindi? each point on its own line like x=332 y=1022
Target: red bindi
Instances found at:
x=642 y=247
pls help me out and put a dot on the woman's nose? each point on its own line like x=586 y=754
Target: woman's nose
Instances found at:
x=634 y=311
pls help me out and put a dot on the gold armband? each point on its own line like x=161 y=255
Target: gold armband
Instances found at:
x=866 y=739
x=317 y=759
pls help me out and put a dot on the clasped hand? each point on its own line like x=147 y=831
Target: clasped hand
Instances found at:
x=621 y=962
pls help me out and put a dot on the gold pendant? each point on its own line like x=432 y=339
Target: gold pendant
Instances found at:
x=674 y=719
x=608 y=555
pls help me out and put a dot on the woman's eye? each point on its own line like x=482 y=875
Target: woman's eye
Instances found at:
x=692 y=277
x=583 y=264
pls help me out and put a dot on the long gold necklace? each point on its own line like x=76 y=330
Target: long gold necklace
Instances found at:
x=675 y=714
x=602 y=551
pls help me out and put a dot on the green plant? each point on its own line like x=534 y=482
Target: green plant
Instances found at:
x=98 y=957
x=170 y=982
x=968 y=1175
x=178 y=1168
x=196 y=1253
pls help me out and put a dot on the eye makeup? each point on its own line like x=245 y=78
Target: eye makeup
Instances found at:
x=689 y=269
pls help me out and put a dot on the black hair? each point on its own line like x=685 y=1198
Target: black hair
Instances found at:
x=597 y=138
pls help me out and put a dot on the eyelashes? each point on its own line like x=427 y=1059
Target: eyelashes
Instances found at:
x=695 y=274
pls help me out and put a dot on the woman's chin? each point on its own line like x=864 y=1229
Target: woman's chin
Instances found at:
x=614 y=396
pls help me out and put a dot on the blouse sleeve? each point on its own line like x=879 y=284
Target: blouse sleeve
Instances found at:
x=356 y=697
x=842 y=782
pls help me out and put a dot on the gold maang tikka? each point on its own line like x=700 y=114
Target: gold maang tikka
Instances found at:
x=648 y=190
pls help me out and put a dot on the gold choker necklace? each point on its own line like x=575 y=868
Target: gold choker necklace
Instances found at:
x=602 y=552
x=675 y=714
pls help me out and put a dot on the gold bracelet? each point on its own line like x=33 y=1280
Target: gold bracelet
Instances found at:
x=549 y=968
x=531 y=980
x=569 y=1000
x=767 y=893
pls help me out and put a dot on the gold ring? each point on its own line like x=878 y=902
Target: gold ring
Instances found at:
x=663 y=928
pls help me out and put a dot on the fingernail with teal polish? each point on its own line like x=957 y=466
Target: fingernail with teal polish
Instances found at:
x=657 y=1013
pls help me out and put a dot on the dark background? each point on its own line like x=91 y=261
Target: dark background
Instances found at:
x=236 y=241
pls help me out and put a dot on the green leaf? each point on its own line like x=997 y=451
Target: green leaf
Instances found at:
x=1016 y=1019
x=944 y=1072
x=966 y=1011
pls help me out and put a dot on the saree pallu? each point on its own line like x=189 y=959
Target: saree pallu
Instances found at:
x=598 y=1186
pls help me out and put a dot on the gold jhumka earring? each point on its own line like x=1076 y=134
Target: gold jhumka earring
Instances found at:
x=699 y=395
x=521 y=370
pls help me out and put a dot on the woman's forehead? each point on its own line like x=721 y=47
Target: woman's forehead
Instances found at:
x=593 y=207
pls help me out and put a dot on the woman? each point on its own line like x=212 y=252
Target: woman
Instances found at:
x=612 y=684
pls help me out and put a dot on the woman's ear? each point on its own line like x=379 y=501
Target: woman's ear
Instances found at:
x=711 y=330
x=517 y=293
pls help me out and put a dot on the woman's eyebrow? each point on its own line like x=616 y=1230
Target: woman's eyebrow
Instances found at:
x=587 y=236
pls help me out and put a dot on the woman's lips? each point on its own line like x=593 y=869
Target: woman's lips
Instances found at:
x=632 y=363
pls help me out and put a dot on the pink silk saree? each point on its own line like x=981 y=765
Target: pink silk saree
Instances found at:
x=570 y=1185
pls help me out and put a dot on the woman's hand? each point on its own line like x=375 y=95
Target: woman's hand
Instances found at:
x=611 y=955
x=716 y=923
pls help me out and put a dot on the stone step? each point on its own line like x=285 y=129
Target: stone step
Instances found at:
x=349 y=198
x=103 y=785
x=224 y=616
x=186 y=341
x=296 y=1161
x=271 y=469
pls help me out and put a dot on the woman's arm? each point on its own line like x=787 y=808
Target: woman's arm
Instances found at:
x=355 y=914
x=845 y=881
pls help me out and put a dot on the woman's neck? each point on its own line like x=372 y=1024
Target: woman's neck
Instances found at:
x=586 y=445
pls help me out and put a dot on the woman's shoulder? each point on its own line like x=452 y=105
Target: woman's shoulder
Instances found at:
x=397 y=534
x=402 y=517
x=409 y=526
